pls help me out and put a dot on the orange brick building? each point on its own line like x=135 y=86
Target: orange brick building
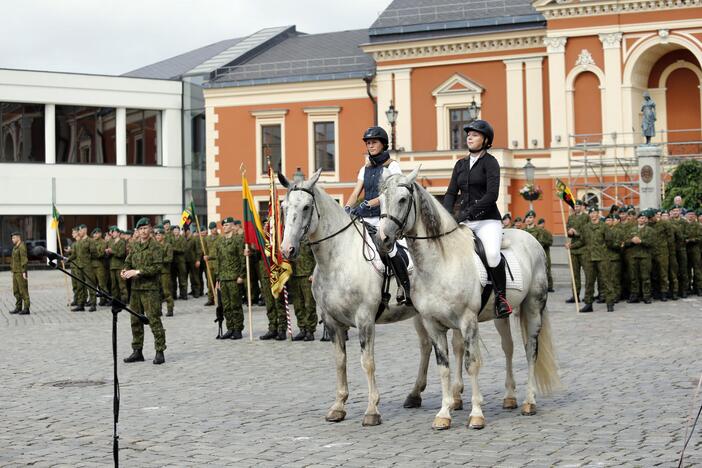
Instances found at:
x=561 y=82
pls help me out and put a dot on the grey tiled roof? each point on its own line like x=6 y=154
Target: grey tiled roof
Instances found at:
x=305 y=57
x=442 y=16
x=175 y=67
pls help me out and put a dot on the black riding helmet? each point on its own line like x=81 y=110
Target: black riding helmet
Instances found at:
x=376 y=133
x=484 y=128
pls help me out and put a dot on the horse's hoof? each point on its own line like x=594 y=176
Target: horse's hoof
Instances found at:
x=476 y=422
x=412 y=402
x=441 y=424
x=509 y=403
x=528 y=409
x=457 y=405
x=371 y=420
x=336 y=415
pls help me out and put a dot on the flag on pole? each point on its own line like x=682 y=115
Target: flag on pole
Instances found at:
x=54 y=217
x=280 y=269
x=187 y=217
x=253 y=230
x=564 y=193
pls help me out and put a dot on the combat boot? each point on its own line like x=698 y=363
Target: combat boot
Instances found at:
x=300 y=336
x=16 y=310
x=269 y=335
x=227 y=335
x=78 y=308
x=24 y=311
x=169 y=313
x=236 y=335
x=209 y=302
x=158 y=359
x=610 y=307
x=92 y=308
x=136 y=356
x=309 y=336
x=570 y=300
x=633 y=299
x=281 y=336
x=586 y=308
x=103 y=302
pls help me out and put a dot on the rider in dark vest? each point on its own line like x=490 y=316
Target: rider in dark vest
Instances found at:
x=378 y=165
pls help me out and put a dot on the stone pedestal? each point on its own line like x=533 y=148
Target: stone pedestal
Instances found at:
x=649 y=158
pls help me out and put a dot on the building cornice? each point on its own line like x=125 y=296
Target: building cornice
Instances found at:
x=455 y=45
x=563 y=9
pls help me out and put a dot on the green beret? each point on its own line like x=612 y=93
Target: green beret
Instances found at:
x=698 y=212
x=16 y=233
x=237 y=222
x=225 y=221
x=75 y=228
x=128 y=232
x=113 y=228
x=158 y=226
x=616 y=216
x=613 y=209
x=541 y=221
x=82 y=226
x=203 y=230
x=143 y=222
x=650 y=213
x=96 y=230
x=518 y=218
x=213 y=225
x=159 y=230
x=176 y=227
x=593 y=209
x=166 y=221
x=530 y=213
x=579 y=202
x=631 y=212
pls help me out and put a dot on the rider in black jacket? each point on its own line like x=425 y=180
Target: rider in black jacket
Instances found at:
x=475 y=183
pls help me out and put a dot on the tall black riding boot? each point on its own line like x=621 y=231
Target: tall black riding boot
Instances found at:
x=400 y=268
x=499 y=284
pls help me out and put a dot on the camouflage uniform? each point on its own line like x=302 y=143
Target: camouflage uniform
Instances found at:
x=694 y=257
x=193 y=254
x=592 y=238
x=275 y=308
x=681 y=255
x=165 y=282
x=614 y=237
x=301 y=290
x=577 y=222
x=119 y=253
x=97 y=261
x=675 y=238
x=178 y=270
x=659 y=253
x=640 y=264
x=84 y=270
x=229 y=252
x=18 y=266
x=211 y=252
x=546 y=240
x=148 y=258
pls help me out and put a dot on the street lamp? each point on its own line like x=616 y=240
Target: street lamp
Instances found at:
x=529 y=170
x=473 y=110
x=298 y=176
x=391 y=114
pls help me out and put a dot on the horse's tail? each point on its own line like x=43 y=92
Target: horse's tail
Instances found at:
x=545 y=367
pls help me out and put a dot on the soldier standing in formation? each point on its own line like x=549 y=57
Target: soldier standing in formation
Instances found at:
x=229 y=252
x=211 y=256
x=275 y=309
x=659 y=255
x=165 y=282
x=116 y=251
x=546 y=244
x=576 y=222
x=193 y=252
x=84 y=271
x=301 y=289
x=545 y=239
x=18 y=266
x=143 y=266
x=637 y=244
x=179 y=270
x=97 y=261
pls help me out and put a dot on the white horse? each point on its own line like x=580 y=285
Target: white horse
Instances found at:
x=348 y=292
x=446 y=292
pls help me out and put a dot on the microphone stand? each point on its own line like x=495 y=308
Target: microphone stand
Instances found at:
x=117 y=306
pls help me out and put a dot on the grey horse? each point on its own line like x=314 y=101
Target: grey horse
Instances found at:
x=348 y=292
x=447 y=293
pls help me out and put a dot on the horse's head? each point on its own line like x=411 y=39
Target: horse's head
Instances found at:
x=397 y=211
x=301 y=215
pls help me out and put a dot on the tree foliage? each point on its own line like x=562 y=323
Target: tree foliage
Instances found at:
x=686 y=182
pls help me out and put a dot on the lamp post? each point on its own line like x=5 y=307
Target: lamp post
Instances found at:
x=473 y=110
x=529 y=170
x=298 y=176
x=391 y=114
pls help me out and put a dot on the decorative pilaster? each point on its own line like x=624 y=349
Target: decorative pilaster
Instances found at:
x=613 y=124
x=515 y=103
x=50 y=133
x=555 y=46
x=121 y=135
x=535 y=102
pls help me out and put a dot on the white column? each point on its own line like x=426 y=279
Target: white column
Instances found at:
x=50 y=133
x=611 y=43
x=515 y=104
x=403 y=104
x=171 y=130
x=51 y=242
x=535 y=102
x=384 y=90
x=122 y=221
x=121 y=136
x=555 y=47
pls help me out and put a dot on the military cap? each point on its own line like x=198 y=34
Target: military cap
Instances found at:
x=506 y=216
x=82 y=226
x=531 y=213
x=698 y=212
x=16 y=233
x=176 y=227
x=613 y=209
x=237 y=222
x=113 y=228
x=226 y=221
x=129 y=232
x=75 y=228
x=541 y=221
x=683 y=211
x=650 y=213
x=518 y=218
x=159 y=229
x=664 y=211
x=166 y=221
x=158 y=226
x=579 y=202
x=616 y=216
x=143 y=222
x=631 y=211
x=593 y=208
x=96 y=230
x=203 y=229
x=213 y=225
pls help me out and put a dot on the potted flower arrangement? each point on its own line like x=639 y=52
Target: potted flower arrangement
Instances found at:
x=531 y=192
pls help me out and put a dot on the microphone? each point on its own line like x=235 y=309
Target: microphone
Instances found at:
x=40 y=251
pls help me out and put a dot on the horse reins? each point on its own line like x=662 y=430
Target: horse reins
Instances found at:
x=316 y=209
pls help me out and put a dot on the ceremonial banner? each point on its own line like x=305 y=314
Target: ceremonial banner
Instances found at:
x=564 y=193
x=54 y=218
x=280 y=270
x=253 y=230
x=187 y=217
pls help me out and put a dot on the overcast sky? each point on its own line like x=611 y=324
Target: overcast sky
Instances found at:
x=116 y=36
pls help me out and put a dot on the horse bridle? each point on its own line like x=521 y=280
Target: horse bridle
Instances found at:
x=316 y=209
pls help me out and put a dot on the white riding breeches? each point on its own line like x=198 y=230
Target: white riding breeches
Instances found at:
x=490 y=233
x=375 y=221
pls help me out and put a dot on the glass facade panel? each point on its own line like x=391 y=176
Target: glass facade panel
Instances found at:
x=271 y=146
x=22 y=132
x=324 y=148
x=33 y=230
x=194 y=158
x=459 y=118
x=85 y=135
x=143 y=137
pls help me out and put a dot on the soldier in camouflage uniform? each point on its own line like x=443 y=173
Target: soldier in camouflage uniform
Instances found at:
x=275 y=308
x=165 y=282
x=239 y=233
x=541 y=236
x=97 y=261
x=614 y=237
x=193 y=252
x=680 y=225
x=547 y=243
x=84 y=271
x=576 y=222
x=228 y=250
x=178 y=270
x=694 y=252
x=71 y=252
x=210 y=255
x=301 y=289
x=116 y=251
x=143 y=266
x=675 y=235
x=592 y=237
x=659 y=254
x=18 y=266
x=638 y=241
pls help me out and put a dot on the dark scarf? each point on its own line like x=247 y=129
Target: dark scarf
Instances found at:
x=379 y=159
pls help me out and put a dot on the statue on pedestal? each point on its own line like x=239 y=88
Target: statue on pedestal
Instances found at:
x=648 y=123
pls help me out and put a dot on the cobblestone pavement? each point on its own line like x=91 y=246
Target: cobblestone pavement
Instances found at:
x=630 y=377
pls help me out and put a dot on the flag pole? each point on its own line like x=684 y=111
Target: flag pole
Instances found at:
x=63 y=265
x=202 y=246
x=247 y=250
x=570 y=263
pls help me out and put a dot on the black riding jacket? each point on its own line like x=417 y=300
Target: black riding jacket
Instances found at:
x=476 y=189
